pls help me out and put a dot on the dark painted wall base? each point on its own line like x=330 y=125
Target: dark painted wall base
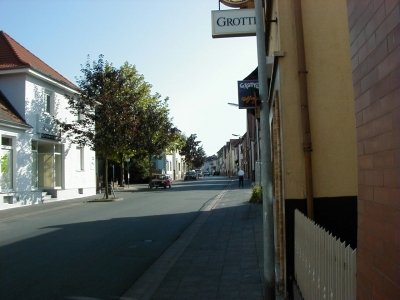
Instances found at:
x=337 y=215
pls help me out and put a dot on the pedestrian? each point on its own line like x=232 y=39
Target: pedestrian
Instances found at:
x=241 y=177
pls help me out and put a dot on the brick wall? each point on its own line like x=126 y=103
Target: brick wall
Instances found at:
x=374 y=27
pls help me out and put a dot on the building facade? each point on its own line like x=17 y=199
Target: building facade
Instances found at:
x=374 y=28
x=172 y=164
x=313 y=141
x=39 y=160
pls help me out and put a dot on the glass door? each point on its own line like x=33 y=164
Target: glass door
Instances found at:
x=49 y=162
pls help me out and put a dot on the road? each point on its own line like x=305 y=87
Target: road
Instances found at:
x=94 y=250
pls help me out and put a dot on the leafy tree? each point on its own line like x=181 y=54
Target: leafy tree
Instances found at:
x=118 y=117
x=107 y=117
x=135 y=90
x=193 y=152
x=156 y=131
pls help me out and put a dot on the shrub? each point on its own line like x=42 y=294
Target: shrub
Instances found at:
x=256 y=195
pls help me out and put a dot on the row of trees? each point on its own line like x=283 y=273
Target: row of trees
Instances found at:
x=119 y=118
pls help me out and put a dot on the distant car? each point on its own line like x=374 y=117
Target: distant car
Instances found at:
x=206 y=173
x=199 y=173
x=160 y=180
x=190 y=175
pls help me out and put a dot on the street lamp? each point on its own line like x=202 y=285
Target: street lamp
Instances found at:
x=239 y=152
x=257 y=165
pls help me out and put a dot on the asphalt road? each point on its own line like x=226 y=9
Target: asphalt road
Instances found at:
x=94 y=250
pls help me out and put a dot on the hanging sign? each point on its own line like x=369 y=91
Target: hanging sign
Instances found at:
x=248 y=93
x=233 y=23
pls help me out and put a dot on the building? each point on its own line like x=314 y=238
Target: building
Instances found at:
x=374 y=29
x=313 y=140
x=172 y=164
x=35 y=157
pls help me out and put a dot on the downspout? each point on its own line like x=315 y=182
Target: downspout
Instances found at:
x=305 y=117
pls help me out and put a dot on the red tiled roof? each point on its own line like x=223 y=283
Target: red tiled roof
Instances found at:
x=9 y=114
x=14 y=56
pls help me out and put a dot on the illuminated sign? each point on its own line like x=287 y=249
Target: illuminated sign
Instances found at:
x=248 y=93
x=233 y=23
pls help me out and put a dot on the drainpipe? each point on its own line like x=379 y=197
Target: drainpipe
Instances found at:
x=305 y=118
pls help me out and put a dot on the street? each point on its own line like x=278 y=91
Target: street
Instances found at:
x=94 y=250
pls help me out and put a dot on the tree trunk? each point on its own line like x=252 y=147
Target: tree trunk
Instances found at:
x=122 y=172
x=106 y=191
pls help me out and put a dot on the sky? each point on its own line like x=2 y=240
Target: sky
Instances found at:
x=169 y=42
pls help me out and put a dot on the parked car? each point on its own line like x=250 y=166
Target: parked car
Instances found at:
x=190 y=175
x=160 y=180
x=199 y=173
x=206 y=173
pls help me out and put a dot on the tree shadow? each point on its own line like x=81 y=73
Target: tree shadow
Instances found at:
x=77 y=260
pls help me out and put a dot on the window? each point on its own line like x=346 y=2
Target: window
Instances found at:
x=6 y=164
x=81 y=165
x=34 y=164
x=47 y=101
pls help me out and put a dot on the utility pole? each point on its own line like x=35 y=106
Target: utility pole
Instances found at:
x=265 y=149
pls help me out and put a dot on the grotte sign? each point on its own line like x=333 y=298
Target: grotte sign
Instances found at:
x=233 y=23
x=248 y=93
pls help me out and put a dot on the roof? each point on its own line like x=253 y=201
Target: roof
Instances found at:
x=14 y=56
x=8 y=114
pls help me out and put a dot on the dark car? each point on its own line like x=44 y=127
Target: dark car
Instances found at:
x=190 y=175
x=160 y=180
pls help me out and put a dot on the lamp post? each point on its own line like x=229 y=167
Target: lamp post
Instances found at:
x=255 y=164
x=265 y=149
x=239 y=150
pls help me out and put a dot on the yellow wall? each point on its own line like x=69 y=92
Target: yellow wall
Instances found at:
x=330 y=98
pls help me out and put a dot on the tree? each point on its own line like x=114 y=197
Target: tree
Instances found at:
x=117 y=116
x=106 y=110
x=156 y=130
x=135 y=90
x=193 y=152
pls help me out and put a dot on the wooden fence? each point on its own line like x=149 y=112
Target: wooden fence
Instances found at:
x=325 y=268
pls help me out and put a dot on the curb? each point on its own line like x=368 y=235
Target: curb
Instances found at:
x=145 y=287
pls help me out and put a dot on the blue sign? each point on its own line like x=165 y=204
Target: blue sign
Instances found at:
x=249 y=96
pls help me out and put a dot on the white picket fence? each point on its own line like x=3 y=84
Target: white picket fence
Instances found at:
x=325 y=268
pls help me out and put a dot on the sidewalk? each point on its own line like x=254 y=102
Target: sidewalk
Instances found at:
x=218 y=257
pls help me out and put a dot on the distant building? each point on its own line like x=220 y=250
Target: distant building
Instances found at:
x=172 y=164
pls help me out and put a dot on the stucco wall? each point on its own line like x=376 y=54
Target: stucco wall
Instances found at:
x=329 y=94
x=13 y=87
x=330 y=98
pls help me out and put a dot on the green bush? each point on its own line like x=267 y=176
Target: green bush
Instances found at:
x=256 y=195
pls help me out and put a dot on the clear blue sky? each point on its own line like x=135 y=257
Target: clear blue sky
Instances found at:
x=169 y=42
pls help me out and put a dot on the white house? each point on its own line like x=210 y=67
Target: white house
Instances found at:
x=35 y=158
x=172 y=164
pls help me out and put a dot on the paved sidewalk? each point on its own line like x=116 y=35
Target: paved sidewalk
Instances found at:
x=218 y=257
